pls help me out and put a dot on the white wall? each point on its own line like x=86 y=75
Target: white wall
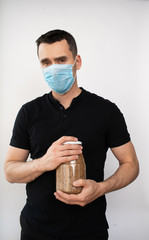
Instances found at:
x=113 y=40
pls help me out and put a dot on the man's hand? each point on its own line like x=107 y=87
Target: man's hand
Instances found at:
x=18 y=170
x=59 y=153
x=127 y=172
x=91 y=190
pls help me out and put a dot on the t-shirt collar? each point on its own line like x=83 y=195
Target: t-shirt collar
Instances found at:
x=74 y=100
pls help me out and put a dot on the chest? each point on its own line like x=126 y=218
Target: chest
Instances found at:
x=47 y=126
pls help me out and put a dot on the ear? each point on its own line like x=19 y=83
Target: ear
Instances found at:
x=78 y=62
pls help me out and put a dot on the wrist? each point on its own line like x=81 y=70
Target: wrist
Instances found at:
x=102 y=188
x=109 y=185
x=40 y=164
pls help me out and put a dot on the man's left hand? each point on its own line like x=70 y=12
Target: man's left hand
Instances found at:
x=90 y=191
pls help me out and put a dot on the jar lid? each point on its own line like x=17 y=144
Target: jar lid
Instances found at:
x=71 y=142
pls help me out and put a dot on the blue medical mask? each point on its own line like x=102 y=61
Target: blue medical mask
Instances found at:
x=59 y=77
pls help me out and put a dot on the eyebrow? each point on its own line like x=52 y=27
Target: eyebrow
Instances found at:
x=44 y=60
x=60 y=58
x=55 y=59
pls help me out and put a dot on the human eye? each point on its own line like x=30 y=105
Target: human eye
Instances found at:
x=62 y=60
x=46 y=64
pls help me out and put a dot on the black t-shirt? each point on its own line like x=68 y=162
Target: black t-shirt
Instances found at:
x=99 y=124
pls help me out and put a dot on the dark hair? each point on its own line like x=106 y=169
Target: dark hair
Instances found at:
x=58 y=35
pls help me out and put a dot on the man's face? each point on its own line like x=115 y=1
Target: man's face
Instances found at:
x=56 y=53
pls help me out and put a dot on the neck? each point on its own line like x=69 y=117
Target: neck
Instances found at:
x=67 y=98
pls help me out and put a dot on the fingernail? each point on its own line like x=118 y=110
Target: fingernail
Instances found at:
x=58 y=191
x=75 y=182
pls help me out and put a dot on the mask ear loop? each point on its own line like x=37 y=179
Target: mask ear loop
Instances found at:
x=73 y=66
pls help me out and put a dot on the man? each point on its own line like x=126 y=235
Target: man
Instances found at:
x=67 y=113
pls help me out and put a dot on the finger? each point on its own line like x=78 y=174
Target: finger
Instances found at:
x=66 y=139
x=70 y=146
x=67 y=198
x=70 y=152
x=68 y=158
x=72 y=199
x=64 y=201
x=80 y=182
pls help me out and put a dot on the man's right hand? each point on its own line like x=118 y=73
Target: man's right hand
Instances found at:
x=19 y=170
x=59 y=153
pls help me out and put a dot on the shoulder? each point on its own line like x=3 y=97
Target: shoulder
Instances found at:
x=36 y=103
x=97 y=101
x=31 y=109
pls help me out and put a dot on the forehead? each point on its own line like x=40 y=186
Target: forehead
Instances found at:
x=53 y=50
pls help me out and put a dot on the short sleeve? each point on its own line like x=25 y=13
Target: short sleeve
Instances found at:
x=117 y=133
x=20 y=137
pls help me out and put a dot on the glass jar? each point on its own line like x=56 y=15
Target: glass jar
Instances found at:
x=69 y=172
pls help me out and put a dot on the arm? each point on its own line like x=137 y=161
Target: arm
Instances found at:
x=126 y=173
x=18 y=170
x=128 y=168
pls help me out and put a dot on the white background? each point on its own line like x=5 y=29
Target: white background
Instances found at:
x=113 y=40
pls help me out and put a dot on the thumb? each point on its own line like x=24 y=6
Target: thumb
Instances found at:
x=79 y=182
